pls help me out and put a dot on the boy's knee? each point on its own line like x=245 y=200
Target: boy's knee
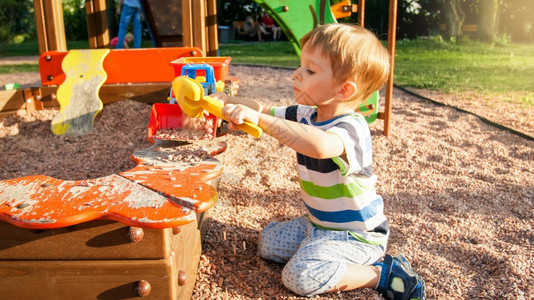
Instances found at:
x=307 y=278
x=277 y=242
x=270 y=250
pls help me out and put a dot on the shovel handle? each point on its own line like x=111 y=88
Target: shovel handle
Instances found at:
x=215 y=108
x=250 y=128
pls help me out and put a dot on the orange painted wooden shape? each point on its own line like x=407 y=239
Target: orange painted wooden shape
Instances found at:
x=42 y=202
x=154 y=194
x=124 y=65
x=187 y=188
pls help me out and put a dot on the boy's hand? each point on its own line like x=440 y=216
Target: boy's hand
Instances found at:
x=221 y=96
x=237 y=114
x=227 y=99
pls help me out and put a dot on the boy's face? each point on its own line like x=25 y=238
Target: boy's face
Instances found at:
x=314 y=80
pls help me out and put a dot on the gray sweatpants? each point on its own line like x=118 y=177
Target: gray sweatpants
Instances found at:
x=316 y=259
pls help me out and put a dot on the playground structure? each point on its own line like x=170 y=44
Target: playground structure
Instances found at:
x=186 y=23
x=161 y=207
x=190 y=23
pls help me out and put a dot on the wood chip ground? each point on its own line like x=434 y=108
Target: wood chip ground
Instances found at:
x=459 y=193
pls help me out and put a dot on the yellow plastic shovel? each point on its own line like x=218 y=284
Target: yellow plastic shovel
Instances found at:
x=190 y=96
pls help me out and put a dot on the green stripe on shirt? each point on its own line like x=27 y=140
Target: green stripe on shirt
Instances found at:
x=335 y=191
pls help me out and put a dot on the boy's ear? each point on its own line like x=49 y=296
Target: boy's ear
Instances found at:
x=348 y=89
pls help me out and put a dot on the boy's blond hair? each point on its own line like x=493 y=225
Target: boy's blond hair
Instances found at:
x=356 y=55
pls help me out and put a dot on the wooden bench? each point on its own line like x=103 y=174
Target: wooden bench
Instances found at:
x=239 y=27
x=466 y=28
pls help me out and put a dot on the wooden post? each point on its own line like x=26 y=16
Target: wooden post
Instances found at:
x=97 y=26
x=392 y=24
x=187 y=23
x=361 y=12
x=199 y=24
x=213 y=35
x=50 y=26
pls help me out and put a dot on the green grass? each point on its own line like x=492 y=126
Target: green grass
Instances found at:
x=471 y=66
x=428 y=64
x=423 y=63
x=7 y=69
x=22 y=49
x=280 y=54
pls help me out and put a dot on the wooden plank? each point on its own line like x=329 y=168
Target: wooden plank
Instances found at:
x=51 y=19
x=114 y=279
x=17 y=101
x=187 y=261
x=187 y=23
x=361 y=13
x=95 y=240
x=32 y=99
x=91 y=26
x=109 y=278
x=97 y=26
x=56 y=29
x=103 y=31
x=154 y=194
x=212 y=28
x=392 y=28
x=199 y=24
x=13 y=100
x=123 y=65
x=40 y=22
x=147 y=93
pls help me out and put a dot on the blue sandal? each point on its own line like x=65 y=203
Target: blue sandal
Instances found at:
x=398 y=281
x=419 y=291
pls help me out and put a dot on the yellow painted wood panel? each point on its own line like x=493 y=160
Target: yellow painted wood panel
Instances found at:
x=78 y=95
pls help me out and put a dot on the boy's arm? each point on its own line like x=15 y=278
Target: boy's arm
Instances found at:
x=253 y=104
x=304 y=139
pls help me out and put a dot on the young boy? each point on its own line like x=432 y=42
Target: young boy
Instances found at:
x=338 y=244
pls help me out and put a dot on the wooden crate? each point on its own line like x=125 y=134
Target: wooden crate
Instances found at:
x=99 y=260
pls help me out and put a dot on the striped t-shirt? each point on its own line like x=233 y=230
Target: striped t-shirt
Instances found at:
x=339 y=192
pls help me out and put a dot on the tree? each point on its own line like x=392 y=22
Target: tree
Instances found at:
x=488 y=19
x=74 y=17
x=15 y=18
x=454 y=16
x=417 y=17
